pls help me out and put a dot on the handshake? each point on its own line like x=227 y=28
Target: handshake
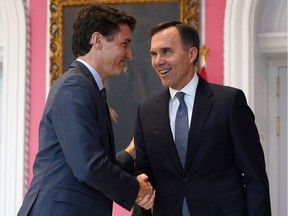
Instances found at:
x=146 y=195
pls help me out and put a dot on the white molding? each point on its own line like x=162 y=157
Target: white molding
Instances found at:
x=273 y=43
x=236 y=45
x=13 y=106
x=1 y=40
x=1 y=52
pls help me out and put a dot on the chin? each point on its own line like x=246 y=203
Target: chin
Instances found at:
x=165 y=84
x=119 y=73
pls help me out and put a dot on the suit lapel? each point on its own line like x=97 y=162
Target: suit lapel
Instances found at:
x=202 y=107
x=102 y=104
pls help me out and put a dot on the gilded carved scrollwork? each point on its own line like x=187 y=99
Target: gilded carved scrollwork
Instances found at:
x=189 y=13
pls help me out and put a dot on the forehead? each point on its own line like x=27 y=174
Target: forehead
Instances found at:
x=169 y=36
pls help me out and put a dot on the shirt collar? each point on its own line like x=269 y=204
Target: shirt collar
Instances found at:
x=189 y=89
x=94 y=73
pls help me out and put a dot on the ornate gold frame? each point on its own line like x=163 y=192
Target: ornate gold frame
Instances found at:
x=189 y=13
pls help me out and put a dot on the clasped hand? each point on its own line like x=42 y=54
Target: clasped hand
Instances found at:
x=146 y=195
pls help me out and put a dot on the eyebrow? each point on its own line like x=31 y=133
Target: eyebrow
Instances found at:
x=165 y=48
x=162 y=49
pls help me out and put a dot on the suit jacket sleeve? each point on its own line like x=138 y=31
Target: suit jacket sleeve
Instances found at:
x=125 y=161
x=250 y=157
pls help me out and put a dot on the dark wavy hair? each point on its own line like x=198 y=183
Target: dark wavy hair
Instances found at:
x=97 y=18
x=188 y=34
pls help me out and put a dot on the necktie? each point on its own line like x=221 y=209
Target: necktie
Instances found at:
x=104 y=94
x=181 y=128
x=181 y=137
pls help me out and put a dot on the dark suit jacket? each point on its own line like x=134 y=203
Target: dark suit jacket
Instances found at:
x=74 y=170
x=224 y=172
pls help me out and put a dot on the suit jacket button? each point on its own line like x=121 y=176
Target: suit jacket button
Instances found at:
x=185 y=180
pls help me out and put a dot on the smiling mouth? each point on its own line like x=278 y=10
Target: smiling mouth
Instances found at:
x=163 y=72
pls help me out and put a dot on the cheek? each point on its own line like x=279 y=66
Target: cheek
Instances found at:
x=153 y=63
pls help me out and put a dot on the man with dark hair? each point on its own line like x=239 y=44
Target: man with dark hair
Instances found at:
x=75 y=170
x=196 y=141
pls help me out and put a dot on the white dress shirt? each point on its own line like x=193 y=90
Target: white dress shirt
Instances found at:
x=190 y=91
x=94 y=73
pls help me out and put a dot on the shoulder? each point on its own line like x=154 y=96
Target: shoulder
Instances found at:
x=218 y=94
x=217 y=90
x=72 y=85
x=74 y=78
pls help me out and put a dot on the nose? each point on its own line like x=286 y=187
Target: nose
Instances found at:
x=129 y=54
x=157 y=60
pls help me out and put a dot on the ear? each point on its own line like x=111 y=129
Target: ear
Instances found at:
x=193 y=51
x=96 y=40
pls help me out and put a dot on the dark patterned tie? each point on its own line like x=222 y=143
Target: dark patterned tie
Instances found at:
x=104 y=94
x=181 y=128
x=181 y=137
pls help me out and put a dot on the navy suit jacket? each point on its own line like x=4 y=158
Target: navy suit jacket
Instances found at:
x=75 y=170
x=224 y=173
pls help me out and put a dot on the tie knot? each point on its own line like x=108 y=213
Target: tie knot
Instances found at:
x=103 y=93
x=180 y=96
